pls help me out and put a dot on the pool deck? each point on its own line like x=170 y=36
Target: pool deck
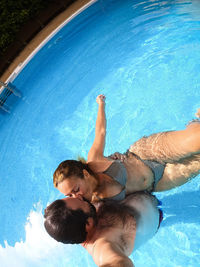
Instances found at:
x=42 y=37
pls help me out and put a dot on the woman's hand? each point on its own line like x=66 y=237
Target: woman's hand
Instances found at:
x=198 y=113
x=101 y=99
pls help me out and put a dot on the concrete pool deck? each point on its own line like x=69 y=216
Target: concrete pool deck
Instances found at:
x=42 y=37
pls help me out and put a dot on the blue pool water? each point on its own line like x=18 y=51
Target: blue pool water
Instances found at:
x=144 y=56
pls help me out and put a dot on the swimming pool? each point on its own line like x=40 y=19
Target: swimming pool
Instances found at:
x=144 y=56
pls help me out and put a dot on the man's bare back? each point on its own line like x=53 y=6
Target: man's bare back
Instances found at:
x=123 y=227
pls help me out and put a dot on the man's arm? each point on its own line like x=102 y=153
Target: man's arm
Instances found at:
x=110 y=254
x=121 y=263
x=97 y=149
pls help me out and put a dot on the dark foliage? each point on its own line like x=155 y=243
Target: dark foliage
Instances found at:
x=14 y=14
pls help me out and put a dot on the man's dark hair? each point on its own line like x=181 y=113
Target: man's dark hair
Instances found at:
x=64 y=224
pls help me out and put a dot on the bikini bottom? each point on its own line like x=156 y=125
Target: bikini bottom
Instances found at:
x=156 y=167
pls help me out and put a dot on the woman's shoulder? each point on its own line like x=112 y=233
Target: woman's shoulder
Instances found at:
x=100 y=165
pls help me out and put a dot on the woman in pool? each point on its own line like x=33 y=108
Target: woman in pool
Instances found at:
x=156 y=163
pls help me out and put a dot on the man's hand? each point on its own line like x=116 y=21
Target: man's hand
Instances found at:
x=119 y=156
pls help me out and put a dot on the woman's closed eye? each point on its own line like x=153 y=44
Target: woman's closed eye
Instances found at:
x=73 y=192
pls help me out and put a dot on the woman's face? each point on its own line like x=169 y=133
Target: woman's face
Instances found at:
x=75 y=186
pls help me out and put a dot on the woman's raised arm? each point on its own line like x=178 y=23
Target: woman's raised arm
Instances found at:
x=97 y=149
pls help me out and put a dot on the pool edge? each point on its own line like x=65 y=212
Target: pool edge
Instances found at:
x=43 y=37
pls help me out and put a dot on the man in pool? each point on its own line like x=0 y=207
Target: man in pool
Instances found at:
x=109 y=232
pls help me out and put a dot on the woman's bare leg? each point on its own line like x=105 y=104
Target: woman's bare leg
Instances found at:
x=169 y=146
x=179 y=173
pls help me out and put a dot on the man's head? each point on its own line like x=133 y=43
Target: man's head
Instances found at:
x=68 y=220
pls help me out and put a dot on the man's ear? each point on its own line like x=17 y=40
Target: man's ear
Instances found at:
x=89 y=224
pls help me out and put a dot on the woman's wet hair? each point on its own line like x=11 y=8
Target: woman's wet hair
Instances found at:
x=64 y=224
x=69 y=168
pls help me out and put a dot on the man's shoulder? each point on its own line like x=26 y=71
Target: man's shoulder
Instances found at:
x=106 y=249
x=103 y=239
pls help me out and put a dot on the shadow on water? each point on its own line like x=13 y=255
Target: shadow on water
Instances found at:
x=182 y=207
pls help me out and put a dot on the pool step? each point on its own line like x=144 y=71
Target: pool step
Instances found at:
x=5 y=91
